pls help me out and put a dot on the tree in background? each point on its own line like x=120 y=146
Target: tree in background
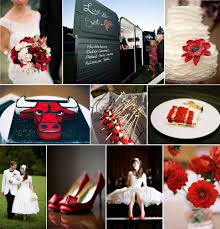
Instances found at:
x=6 y=5
x=32 y=156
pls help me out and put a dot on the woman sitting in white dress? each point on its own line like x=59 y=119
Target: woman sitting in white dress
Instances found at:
x=19 y=22
x=144 y=195
x=25 y=201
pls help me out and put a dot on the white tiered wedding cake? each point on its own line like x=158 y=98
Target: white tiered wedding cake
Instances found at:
x=189 y=55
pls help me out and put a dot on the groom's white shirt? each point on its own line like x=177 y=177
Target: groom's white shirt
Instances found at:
x=10 y=181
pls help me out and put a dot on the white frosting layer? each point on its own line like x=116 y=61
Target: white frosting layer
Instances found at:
x=185 y=23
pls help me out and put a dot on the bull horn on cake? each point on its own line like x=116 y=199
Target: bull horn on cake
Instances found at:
x=71 y=104
x=23 y=104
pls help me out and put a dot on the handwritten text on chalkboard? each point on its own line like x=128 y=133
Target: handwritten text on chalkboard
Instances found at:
x=89 y=8
x=91 y=21
x=96 y=54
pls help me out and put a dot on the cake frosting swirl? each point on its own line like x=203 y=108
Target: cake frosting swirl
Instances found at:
x=184 y=24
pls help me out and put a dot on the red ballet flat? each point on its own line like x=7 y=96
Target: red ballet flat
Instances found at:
x=83 y=202
x=76 y=187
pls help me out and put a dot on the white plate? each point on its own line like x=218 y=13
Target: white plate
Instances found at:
x=209 y=120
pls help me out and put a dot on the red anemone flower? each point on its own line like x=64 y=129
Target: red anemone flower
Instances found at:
x=194 y=49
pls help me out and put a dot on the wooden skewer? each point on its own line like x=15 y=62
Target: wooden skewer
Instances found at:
x=135 y=125
x=108 y=136
x=131 y=124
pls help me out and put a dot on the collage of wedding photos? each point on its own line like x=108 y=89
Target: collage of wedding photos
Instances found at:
x=109 y=114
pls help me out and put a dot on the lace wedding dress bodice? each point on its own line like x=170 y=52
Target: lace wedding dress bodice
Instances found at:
x=19 y=30
x=137 y=182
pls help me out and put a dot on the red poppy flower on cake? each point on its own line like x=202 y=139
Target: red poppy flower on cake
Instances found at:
x=195 y=49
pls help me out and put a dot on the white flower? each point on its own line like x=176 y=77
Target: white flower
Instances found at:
x=24 y=56
x=21 y=45
x=28 y=68
x=48 y=50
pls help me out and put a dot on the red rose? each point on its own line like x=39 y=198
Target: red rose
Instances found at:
x=202 y=194
x=41 y=58
x=14 y=56
x=34 y=50
x=43 y=68
x=22 y=65
x=194 y=49
x=177 y=179
x=48 y=59
x=37 y=66
x=28 y=40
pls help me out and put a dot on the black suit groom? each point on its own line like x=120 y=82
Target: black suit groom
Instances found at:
x=51 y=27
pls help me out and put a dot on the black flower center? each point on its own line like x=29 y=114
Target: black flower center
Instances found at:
x=195 y=48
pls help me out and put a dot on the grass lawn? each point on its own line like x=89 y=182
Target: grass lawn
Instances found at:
x=33 y=221
x=4 y=69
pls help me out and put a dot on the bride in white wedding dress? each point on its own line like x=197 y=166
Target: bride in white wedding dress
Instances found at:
x=137 y=190
x=19 y=22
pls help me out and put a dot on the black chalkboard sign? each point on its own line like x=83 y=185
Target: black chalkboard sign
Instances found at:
x=92 y=19
x=97 y=61
x=97 y=47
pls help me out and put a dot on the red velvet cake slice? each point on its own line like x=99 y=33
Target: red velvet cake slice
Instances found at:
x=186 y=114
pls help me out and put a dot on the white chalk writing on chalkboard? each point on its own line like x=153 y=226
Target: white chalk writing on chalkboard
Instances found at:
x=97 y=53
x=96 y=22
x=90 y=9
x=90 y=23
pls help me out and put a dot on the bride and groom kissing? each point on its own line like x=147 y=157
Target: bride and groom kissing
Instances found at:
x=20 y=22
x=18 y=190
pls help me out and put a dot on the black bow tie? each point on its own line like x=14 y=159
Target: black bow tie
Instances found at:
x=11 y=171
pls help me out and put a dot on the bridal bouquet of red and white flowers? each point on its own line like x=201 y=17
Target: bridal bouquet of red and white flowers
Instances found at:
x=32 y=54
x=202 y=193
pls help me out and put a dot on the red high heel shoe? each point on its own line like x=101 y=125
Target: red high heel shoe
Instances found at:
x=85 y=199
x=130 y=217
x=77 y=186
x=141 y=218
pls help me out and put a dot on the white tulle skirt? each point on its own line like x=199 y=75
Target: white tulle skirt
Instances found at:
x=23 y=203
x=149 y=195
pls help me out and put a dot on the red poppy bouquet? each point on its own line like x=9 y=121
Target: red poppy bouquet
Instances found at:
x=32 y=54
x=202 y=193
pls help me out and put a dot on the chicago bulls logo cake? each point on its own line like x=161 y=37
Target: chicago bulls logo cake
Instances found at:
x=48 y=119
